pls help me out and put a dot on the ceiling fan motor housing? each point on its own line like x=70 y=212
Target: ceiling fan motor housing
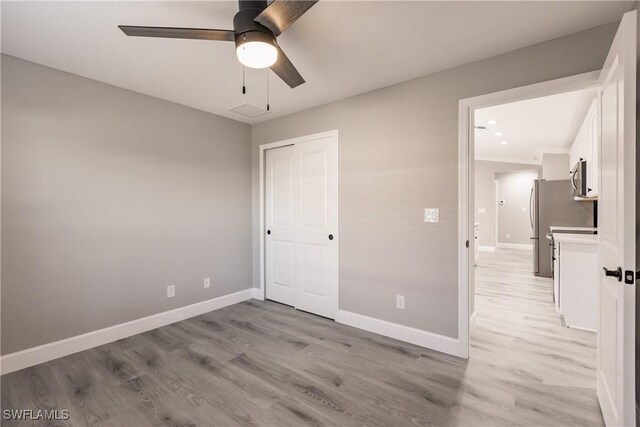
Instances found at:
x=246 y=28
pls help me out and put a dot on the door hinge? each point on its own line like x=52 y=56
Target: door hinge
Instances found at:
x=630 y=277
x=467 y=244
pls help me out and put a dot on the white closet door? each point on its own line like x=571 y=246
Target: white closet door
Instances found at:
x=301 y=222
x=316 y=270
x=280 y=225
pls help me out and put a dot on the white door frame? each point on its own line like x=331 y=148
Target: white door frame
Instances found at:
x=263 y=148
x=496 y=205
x=466 y=108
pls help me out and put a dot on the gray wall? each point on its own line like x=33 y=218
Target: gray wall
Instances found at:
x=398 y=154
x=485 y=195
x=555 y=166
x=108 y=196
x=515 y=188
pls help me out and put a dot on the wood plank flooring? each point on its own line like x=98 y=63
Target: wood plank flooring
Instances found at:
x=265 y=364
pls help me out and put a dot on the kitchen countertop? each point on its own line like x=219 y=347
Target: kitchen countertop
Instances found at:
x=587 y=239
x=559 y=227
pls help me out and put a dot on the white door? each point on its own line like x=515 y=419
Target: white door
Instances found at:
x=316 y=271
x=281 y=224
x=301 y=222
x=616 y=251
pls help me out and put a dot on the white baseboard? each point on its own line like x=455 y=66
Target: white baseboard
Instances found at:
x=257 y=294
x=582 y=329
x=487 y=248
x=525 y=246
x=43 y=353
x=567 y=322
x=403 y=333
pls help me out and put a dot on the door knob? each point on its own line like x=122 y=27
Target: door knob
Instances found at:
x=614 y=273
x=268 y=231
x=330 y=236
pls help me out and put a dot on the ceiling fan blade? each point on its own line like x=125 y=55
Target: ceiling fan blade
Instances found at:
x=178 y=33
x=280 y=14
x=286 y=71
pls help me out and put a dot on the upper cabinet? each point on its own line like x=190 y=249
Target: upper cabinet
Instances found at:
x=587 y=147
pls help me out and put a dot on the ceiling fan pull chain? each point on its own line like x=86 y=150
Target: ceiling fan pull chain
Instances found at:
x=244 y=88
x=267 y=89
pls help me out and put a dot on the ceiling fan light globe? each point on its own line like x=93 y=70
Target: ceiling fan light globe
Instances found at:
x=257 y=54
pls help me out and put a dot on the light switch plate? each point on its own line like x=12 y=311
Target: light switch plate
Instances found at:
x=482 y=210
x=171 y=291
x=431 y=215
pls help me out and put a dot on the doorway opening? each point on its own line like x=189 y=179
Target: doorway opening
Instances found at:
x=615 y=261
x=522 y=145
x=535 y=237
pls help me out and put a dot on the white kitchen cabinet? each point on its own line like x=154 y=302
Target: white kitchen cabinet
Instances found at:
x=586 y=146
x=573 y=156
x=577 y=279
x=594 y=169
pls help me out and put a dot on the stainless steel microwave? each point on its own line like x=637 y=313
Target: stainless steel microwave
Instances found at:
x=579 y=179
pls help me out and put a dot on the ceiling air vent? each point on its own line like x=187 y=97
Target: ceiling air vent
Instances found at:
x=248 y=110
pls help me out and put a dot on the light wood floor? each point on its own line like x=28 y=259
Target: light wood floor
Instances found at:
x=261 y=363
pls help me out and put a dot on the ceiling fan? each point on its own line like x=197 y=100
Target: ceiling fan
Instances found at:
x=255 y=28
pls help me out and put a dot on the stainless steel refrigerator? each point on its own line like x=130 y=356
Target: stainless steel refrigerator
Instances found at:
x=552 y=204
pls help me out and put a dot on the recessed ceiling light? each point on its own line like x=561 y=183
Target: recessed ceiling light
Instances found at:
x=504 y=143
x=498 y=134
x=492 y=122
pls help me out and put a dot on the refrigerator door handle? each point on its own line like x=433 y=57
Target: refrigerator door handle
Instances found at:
x=531 y=207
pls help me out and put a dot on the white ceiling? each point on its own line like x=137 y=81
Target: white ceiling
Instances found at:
x=532 y=127
x=340 y=48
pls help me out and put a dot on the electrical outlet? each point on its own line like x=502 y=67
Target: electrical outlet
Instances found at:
x=400 y=302
x=171 y=291
x=207 y=282
x=508 y=236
